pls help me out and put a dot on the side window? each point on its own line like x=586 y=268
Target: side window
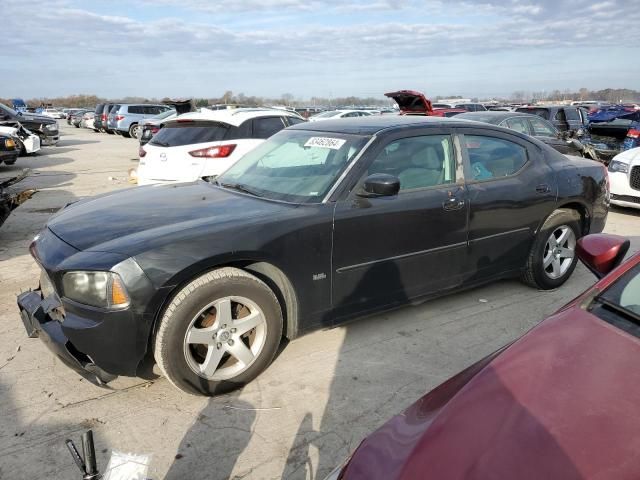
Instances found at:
x=294 y=120
x=542 y=128
x=572 y=114
x=137 y=109
x=418 y=162
x=491 y=157
x=150 y=110
x=266 y=126
x=519 y=124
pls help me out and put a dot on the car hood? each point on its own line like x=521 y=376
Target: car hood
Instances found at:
x=630 y=157
x=410 y=101
x=133 y=220
x=559 y=403
x=30 y=117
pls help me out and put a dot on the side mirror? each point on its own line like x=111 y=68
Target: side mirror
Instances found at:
x=380 y=185
x=601 y=252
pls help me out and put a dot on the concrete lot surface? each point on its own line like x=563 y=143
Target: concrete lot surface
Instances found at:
x=321 y=396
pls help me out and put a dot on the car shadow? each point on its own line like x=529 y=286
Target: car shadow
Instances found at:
x=69 y=143
x=219 y=434
x=633 y=212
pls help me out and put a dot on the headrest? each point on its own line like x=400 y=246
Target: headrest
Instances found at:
x=427 y=157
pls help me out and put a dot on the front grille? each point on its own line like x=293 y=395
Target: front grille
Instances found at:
x=634 y=178
x=625 y=198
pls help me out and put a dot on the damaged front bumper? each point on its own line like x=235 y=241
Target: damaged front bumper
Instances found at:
x=42 y=319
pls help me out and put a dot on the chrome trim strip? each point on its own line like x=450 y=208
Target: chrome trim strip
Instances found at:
x=399 y=257
x=495 y=235
x=348 y=169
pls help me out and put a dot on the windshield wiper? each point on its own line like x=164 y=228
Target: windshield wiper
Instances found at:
x=239 y=187
x=620 y=310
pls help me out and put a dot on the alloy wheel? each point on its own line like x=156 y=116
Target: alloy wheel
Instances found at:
x=559 y=252
x=225 y=338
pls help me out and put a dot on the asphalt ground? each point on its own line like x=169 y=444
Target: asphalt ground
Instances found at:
x=313 y=405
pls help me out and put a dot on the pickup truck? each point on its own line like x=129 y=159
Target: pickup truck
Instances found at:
x=45 y=127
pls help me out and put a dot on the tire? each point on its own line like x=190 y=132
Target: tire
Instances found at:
x=134 y=130
x=545 y=269
x=212 y=368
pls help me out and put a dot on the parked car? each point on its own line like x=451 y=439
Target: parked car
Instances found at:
x=466 y=106
x=8 y=150
x=411 y=102
x=556 y=404
x=26 y=142
x=108 y=109
x=152 y=125
x=87 y=120
x=97 y=119
x=624 y=177
x=75 y=117
x=335 y=114
x=201 y=145
x=45 y=127
x=563 y=117
x=532 y=125
x=127 y=119
x=53 y=113
x=316 y=225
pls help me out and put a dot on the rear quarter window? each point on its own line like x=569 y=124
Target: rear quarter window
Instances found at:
x=175 y=134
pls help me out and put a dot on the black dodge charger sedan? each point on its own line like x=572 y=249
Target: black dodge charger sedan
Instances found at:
x=322 y=222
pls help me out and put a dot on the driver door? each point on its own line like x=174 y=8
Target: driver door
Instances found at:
x=388 y=250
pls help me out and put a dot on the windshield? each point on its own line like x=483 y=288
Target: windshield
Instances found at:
x=10 y=111
x=619 y=304
x=297 y=166
x=332 y=113
x=164 y=114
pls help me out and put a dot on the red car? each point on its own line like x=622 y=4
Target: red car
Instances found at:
x=415 y=103
x=560 y=403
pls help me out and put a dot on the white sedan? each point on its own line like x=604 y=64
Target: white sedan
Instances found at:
x=333 y=114
x=26 y=141
x=624 y=177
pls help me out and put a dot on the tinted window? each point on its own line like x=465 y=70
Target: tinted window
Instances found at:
x=418 y=162
x=137 y=109
x=491 y=157
x=572 y=114
x=152 y=110
x=519 y=124
x=294 y=120
x=265 y=127
x=175 y=134
x=542 y=128
x=99 y=108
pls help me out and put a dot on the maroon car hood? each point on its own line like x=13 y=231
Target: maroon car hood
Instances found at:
x=410 y=101
x=563 y=402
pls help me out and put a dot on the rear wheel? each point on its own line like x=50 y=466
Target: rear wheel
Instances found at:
x=553 y=258
x=219 y=332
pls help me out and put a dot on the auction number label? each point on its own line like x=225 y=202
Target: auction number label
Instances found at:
x=325 y=142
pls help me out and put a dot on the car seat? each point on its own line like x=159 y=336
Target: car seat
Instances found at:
x=426 y=169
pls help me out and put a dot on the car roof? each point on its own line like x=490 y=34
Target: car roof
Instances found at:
x=235 y=116
x=372 y=124
x=492 y=116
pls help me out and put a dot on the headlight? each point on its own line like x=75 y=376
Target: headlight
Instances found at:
x=51 y=126
x=46 y=287
x=618 y=166
x=98 y=289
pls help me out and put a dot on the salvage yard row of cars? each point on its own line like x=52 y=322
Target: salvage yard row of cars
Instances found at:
x=260 y=227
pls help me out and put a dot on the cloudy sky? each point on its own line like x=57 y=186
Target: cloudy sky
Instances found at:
x=325 y=48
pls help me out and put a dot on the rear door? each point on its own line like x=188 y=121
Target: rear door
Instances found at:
x=391 y=249
x=510 y=190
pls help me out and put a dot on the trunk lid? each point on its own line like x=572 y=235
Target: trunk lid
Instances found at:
x=411 y=102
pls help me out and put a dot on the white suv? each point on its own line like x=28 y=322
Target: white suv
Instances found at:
x=204 y=144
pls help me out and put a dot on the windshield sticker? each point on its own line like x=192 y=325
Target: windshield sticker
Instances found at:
x=325 y=142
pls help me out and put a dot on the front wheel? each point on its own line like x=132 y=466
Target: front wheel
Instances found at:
x=553 y=256
x=219 y=332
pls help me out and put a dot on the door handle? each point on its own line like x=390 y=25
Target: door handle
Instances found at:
x=543 y=188
x=452 y=204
